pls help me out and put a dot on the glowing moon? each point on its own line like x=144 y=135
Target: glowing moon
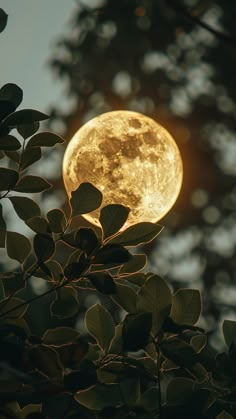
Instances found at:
x=131 y=159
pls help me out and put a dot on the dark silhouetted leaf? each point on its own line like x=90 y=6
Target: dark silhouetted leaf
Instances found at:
x=23 y=117
x=137 y=234
x=57 y=220
x=9 y=143
x=38 y=224
x=8 y=178
x=2 y=155
x=25 y=207
x=2 y=221
x=149 y=400
x=100 y=325
x=179 y=390
x=180 y=352
x=85 y=199
x=44 y=246
x=100 y=396
x=103 y=282
x=82 y=379
x=136 y=331
x=47 y=361
x=155 y=297
x=44 y=139
x=74 y=270
x=125 y=297
x=12 y=93
x=13 y=155
x=198 y=342
x=86 y=239
x=18 y=246
x=32 y=411
x=32 y=184
x=135 y=264
x=29 y=157
x=10 y=305
x=130 y=390
x=229 y=331
x=28 y=129
x=11 y=281
x=2 y=239
x=111 y=253
x=66 y=304
x=186 y=306
x=224 y=415
x=60 y=336
x=50 y=269
x=112 y=218
x=3 y=20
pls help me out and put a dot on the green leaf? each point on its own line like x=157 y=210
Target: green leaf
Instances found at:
x=11 y=281
x=155 y=297
x=112 y=218
x=38 y=224
x=125 y=297
x=135 y=264
x=32 y=411
x=13 y=155
x=66 y=304
x=179 y=391
x=137 y=234
x=136 y=331
x=18 y=246
x=100 y=396
x=111 y=253
x=32 y=184
x=3 y=20
x=2 y=221
x=44 y=139
x=60 y=336
x=179 y=352
x=28 y=129
x=8 y=178
x=229 y=331
x=25 y=207
x=46 y=360
x=103 y=282
x=29 y=157
x=199 y=342
x=86 y=198
x=186 y=306
x=149 y=400
x=116 y=344
x=9 y=143
x=10 y=305
x=44 y=247
x=130 y=390
x=23 y=117
x=100 y=325
x=224 y=415
x=57 y=220
x=50 y=269
x=11 y=94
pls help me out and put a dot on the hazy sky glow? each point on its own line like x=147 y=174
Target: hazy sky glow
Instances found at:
x=26 y=44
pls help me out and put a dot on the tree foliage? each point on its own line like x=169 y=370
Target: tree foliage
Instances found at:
x=151 y=361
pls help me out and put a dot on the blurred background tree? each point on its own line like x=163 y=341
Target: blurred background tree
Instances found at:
x=174 y=61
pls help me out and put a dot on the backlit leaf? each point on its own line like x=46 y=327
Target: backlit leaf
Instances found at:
x=224 y=415
x=9 y=143
x=229 y=331
x=32 y=184
x=103 y=282
x=85 y=199
x=112 y=218
x=137 y=234
x=100 y=325
x=60 y=336
x=100 y=396
x=136 y=331
x=186 y=306
x=46 y=360
x=111 y=253
x=25 y=207
x=125 y=297
x=44 y=139
x=198 y=342
x=3 y=20
x=155 y=297
x=135 y=264
x=179 y=390
x=38 y=224
x=8 y=178
x=12 y=304
x=29 y=157
x=179 y=352
x=23 y=117
x=66 y=304
x=57 y=220
x=18 y=246
x=44 y=246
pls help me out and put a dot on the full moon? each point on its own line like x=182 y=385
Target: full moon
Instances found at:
x=131 y=159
